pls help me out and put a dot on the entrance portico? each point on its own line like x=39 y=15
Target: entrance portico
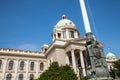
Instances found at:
x=76 y=59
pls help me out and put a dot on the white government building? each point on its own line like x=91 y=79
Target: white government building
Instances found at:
x=67 y=48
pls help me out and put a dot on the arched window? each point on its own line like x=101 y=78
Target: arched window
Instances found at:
x=31 y=76
x=10 y=67
x=9 y=77
x=20 y=77
x=32 y=66
x=59 y=35
x=41 y=66
x=0 y=64
x=21 y=65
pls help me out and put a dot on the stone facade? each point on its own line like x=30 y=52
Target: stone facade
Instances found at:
x=111 y=59
x=16 y=64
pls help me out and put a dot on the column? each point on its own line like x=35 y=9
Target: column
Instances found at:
x=82 y=63
x=73 y=60
x=62 y=35
x=67 y=59
x=27 y=68
x=76 y=34
x=67 y=34
x=16 y=68
x=56 y=35
x=4 y=68
x=37 y=68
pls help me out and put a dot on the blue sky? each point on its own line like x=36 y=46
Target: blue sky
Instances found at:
x=28 y=24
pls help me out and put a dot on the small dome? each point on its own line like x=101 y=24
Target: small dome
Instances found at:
x=110 y=56
x=45 y=45
x=65 y=23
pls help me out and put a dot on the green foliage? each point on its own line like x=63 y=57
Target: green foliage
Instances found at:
x=84 y=78
x=56 y=72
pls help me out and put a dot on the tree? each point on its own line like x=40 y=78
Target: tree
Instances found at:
x=56 y=72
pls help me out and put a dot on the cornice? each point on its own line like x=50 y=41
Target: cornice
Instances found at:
x=67 y=43
x=21 y=53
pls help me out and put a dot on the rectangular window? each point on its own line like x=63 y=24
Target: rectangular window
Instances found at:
x=64 y=34
x=71 y=34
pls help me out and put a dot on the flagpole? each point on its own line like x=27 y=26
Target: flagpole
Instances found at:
x=85 y=16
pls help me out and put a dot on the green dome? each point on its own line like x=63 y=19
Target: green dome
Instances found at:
x=110 y=56
x=64 y=23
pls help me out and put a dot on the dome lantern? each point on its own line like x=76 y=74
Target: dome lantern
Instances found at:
x=64 y=16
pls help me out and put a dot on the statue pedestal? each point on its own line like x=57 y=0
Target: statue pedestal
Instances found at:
x=96 y=64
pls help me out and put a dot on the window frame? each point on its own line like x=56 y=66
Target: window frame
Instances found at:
x=41 y=66
x=64 y=34
x=10 y=65
x=71 y=34
x=9 y=77
x=20 y=77
x=32 y=65
x=22 y=64
x=31 y=76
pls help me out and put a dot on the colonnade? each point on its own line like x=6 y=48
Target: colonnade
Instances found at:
x=75 y=59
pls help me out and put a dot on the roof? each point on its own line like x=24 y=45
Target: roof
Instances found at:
x=65 y=23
